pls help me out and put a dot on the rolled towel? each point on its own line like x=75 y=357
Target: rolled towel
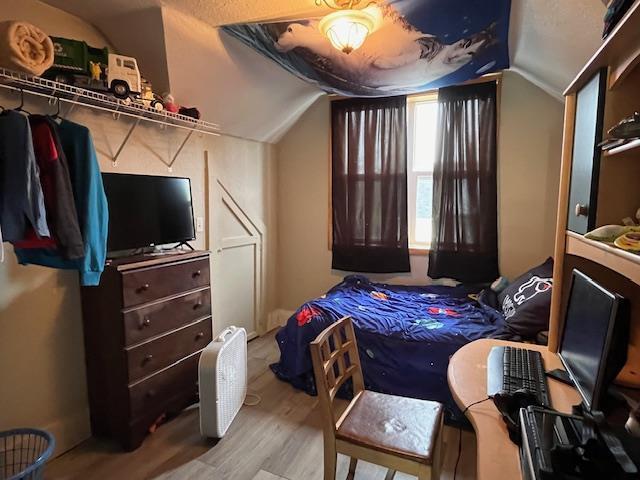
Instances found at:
x=25 y=47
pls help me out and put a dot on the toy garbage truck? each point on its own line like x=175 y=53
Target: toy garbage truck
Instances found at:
x=77 y=63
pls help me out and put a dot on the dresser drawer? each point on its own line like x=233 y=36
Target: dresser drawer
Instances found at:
x=146 y=322
x=146 y=285
x=180 y=380
x=149 y=357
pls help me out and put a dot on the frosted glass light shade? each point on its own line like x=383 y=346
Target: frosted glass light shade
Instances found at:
x=347 y=29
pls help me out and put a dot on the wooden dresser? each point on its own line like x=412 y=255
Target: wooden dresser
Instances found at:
x=144 y=329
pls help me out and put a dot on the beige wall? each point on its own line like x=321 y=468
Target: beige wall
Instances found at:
x=530 y=146
x=42 y=373
x=529 y=163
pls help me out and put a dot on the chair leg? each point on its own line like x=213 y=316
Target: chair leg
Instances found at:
x=353 y=463
x=390 y=474
x=438 y=459
x=330 y=459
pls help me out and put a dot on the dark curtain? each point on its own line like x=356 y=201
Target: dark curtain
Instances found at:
x=465 y=205
x=369 y=185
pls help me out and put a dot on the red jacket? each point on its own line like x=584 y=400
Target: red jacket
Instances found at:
x=58 y=193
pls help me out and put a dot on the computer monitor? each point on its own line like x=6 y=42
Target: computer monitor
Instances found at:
x=594 y=343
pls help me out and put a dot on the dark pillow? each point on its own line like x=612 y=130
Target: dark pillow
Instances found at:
x=526 y=302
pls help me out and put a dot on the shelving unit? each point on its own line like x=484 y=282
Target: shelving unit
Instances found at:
x=60 y=92
x=620 y=52
x=621 y=261
x=612 y=186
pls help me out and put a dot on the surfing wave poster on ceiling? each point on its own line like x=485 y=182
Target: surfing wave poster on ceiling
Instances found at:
x=417 y=45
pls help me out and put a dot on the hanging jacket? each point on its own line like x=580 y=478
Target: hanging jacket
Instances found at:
x=58 y=193
x=91 y=206
x=21 y=199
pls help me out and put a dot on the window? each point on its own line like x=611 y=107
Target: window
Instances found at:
x=421 y=135
x=129 y=64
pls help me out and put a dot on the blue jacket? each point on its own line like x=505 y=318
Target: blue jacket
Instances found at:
x=91 y=205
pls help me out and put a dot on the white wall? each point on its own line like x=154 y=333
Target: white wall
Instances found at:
x=529 y=162
x=42 y=372
x=218 y=74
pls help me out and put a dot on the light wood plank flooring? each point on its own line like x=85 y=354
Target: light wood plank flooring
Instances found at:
x=279 y=439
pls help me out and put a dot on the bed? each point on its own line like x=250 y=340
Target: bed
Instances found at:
x=406 y=335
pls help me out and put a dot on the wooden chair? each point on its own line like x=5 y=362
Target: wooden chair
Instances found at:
x=399 y=433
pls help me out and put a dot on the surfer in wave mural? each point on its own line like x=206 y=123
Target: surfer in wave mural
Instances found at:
x=396 y=58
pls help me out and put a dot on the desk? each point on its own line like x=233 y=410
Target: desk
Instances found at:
x=498 y=457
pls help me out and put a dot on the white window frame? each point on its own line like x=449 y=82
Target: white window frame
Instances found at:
x=412 y=176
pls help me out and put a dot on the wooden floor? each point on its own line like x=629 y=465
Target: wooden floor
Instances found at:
x=280 y=438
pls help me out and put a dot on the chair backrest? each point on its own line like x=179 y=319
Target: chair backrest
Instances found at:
x=335 y=360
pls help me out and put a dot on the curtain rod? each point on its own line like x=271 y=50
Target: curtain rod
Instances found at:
x=489 y=77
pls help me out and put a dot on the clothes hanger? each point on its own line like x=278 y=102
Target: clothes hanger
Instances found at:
x=20 y=107
x=56 y=116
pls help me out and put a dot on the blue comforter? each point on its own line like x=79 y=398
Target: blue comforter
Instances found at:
x=406 y=335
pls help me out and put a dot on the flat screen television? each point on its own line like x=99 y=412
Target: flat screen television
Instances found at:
x=147 y=210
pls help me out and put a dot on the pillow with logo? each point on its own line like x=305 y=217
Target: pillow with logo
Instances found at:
x=526 y=302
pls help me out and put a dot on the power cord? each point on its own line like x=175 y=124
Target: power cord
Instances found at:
x=455 y=470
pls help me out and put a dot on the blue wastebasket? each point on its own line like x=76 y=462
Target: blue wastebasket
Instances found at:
x=24 y=452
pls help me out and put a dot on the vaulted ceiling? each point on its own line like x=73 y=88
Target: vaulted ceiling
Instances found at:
x=550 y=40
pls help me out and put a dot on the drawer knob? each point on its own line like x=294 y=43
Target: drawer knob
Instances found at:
x=198 y=305
x=197 y=273
x=150 y=394
x=145 y=322
x=200 y=336
x=147 y=359
x=581 y=210
x=143 y=288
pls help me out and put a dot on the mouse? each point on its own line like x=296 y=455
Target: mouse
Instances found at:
x=509 y=405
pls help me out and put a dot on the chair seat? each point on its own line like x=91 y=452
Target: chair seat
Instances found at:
x=400 y=426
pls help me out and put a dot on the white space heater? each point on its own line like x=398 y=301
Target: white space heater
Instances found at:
x=222 y=375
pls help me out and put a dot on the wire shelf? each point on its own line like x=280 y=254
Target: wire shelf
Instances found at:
x=100 y=101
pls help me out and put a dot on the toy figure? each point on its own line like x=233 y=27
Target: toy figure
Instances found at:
x=96 y=71
x=170 y=104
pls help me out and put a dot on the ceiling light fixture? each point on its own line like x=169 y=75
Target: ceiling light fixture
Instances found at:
x=347 y=28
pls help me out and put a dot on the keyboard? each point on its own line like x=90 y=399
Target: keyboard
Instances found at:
x=510 y=369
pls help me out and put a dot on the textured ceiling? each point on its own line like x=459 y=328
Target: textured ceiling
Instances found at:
x=213 y=12
x=550 y=40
